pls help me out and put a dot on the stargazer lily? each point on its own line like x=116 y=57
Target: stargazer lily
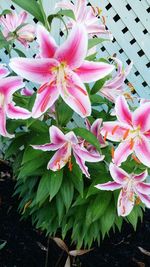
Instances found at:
x=115 y=87
x=8 y=85
x=132 y=130
x=61 y=71
x=86 y=15
x=133 y=190
x=15 y=27
x=65 y=145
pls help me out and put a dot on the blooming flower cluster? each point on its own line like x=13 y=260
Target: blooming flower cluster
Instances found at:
x=63 y=72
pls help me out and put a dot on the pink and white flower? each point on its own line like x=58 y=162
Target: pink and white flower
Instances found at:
x=65 y=145
x=61 y=71
x=15 y=27
x=9 y=85
x=115 y=87
x=86 y=15
x=132 y=130
x=95 y=128
x=133 y=190
x=27 y=92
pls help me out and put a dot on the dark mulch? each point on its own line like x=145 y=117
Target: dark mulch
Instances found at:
x=26 y=247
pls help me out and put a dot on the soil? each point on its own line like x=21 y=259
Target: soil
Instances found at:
x=27 y=247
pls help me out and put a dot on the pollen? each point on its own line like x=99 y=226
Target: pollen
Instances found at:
x=112 y=152
x=137 y=201
x=70 y=165
x=114 y=129
x=126 y=134
x=136 y=159
x=105 y=136
x=131 y=143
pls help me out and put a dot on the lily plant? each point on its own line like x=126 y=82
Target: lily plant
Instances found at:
x=133 y=189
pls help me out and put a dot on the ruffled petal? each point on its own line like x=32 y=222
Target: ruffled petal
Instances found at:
x=86 y=155
x=73 y=51
x=47 y=44
x=15 y=112
x=110 y=186
x=122 y=152
x=91 y=71
x=48 y=147
x=122 y=111
x=35 y=70
x=118 y=174
x=3 y=130
x=75 y=95
x=45 y=99
x=56 y=135
x=141 y=176
x=141 y=117
x=142 y=150
x=60 y=158
x=125 y=203
x=9 y=85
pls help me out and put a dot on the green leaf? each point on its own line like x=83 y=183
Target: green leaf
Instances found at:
x=97 y=207
x=33 y=7
x=30 y=154
x=19 y=141
x=67 y=191
x=64 y=113
x=2 y=245
x=5 y=11
x=3 y=41
x=88 y=136
x=19 y=52
x=95 y=41
x=68 y=13
x=55 y=183
x=108 y=219
x=76 y=176
x=133 y=216
x=43 y=188
x=60 y=208
x=98 y=85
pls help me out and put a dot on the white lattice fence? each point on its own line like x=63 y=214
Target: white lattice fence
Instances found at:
x=129 y=21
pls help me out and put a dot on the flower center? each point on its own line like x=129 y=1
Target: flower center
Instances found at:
x=1 y=100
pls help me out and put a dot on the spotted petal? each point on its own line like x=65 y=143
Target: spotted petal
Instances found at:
x=110 y=186
x=142 y=150
x=125 y=203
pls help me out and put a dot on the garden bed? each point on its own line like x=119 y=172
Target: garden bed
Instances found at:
x=27 y=247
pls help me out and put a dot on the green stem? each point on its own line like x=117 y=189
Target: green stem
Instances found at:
x=44 y=15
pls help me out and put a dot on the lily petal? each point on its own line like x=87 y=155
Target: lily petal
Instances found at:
x=122 y=152
x=44 y=100
x=122 y=111
x=141 y=117
x=141 y=176
x=145 y=199
x=143 y=188
x=9 y=85
x=114 y=130
x=86 y=155
x=60 y=158
x=3 y=130
x=75 y=95
x=48 y=147
x=110 y=186
x=142 y=150
x=15 y=112
x=71 y=137
x=118 y=174
x=35 y=70
x=93 y=71
x=47 y=44
x=82 y=165
x=125 y=204
x=74 y=49
x=56 y=135
x=3 y=71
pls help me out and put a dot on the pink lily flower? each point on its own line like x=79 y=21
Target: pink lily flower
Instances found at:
x=132 y=130
x=61 y=71
x=133 y=190
x=65 y=145
x=86 y=15
x=95 y=128
x=27 y=92
x=15 y=27
x=9 y=85
x=115 y=87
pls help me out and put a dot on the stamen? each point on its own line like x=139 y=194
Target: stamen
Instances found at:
x=45 y=102
x=70 y=165
x=126 y=134
x=131 y=143
x=137 y=201
x=105 y=136
x=42 y=88
x=112 y=152
x=136 y=159
x=115 y=129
